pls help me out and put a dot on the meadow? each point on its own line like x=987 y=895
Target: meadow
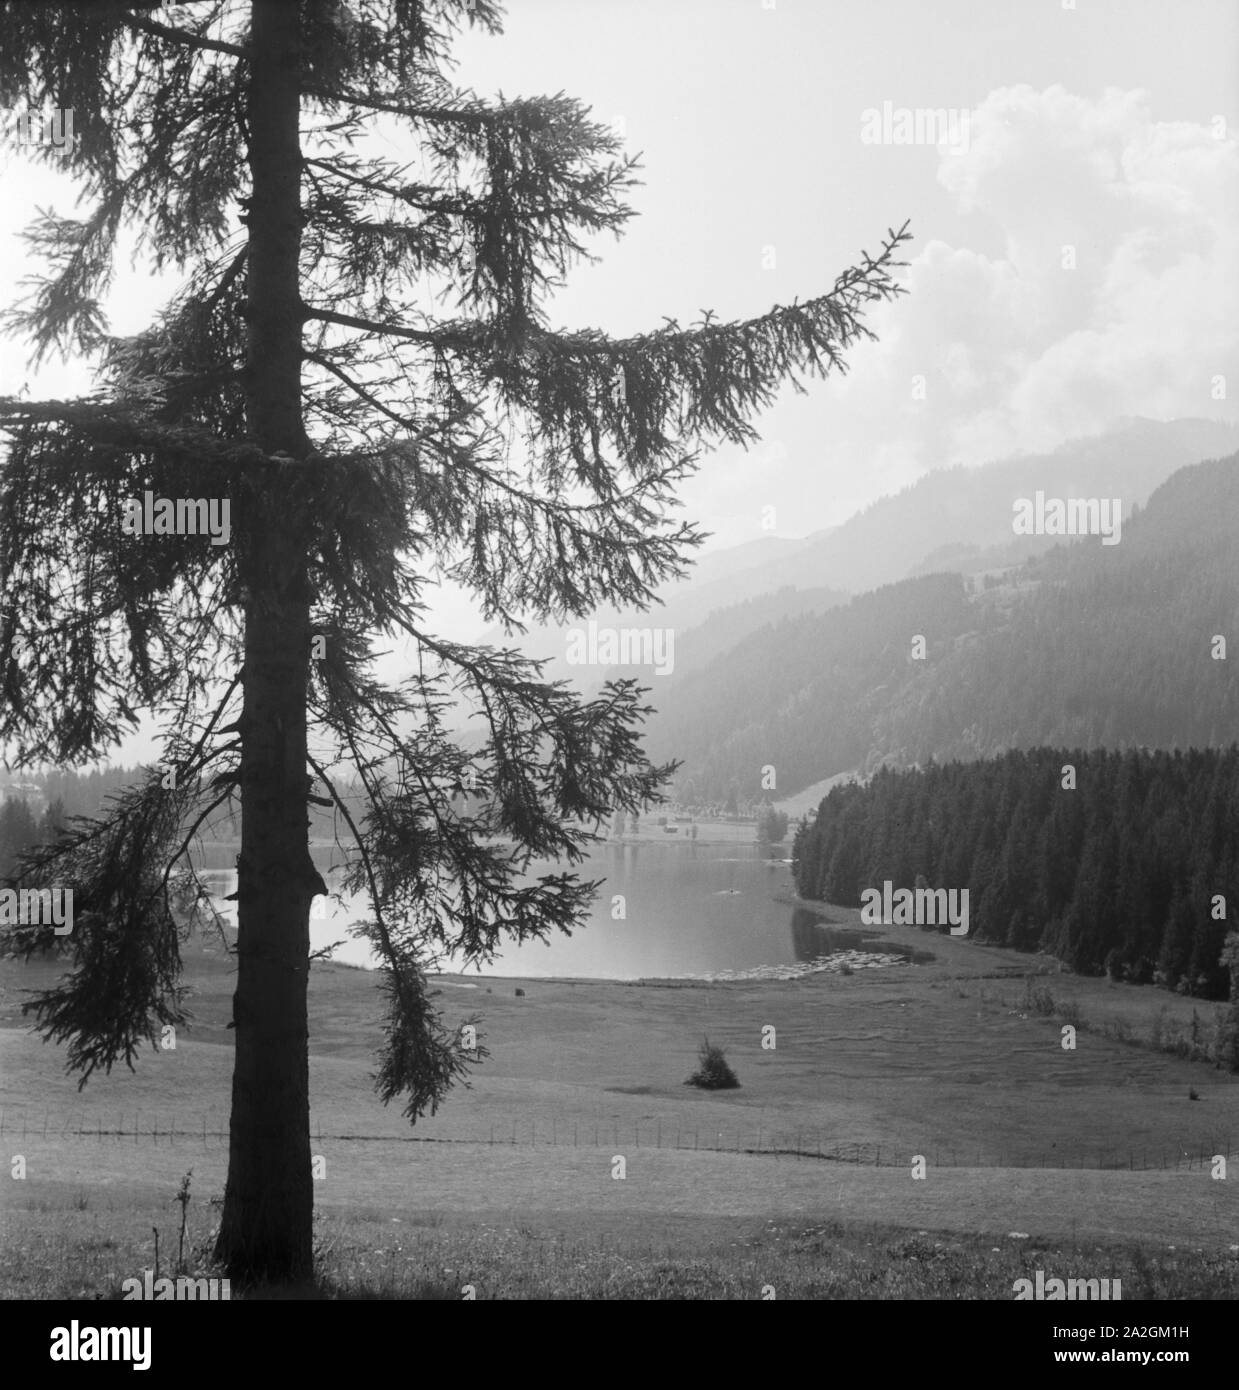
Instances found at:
x=1093 y=1162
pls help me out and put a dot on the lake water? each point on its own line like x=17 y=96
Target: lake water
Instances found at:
x=689 y=910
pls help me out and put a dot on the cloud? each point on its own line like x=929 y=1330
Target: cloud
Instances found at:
x=1109 y=287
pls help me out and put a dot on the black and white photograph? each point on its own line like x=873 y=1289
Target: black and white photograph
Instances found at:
x=619 y=670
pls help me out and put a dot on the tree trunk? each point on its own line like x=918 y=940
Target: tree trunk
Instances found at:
x=266 y=1230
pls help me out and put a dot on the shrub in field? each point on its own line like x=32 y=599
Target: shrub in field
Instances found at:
x=1226 y=1041
x=713 y=1072
x=1038 y=999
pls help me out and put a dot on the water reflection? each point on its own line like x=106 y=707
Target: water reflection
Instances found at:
x=662 y=910
x=814 y=935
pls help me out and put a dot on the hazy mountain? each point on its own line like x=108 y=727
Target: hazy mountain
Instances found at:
x=952 y=519
x=720 y=632
x=958 y=507
x=1088 y=645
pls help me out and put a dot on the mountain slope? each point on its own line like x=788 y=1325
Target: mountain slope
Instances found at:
x=1089 y=645
x=958 y=519
x=957 y=507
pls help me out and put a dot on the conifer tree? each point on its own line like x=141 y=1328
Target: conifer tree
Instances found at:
x=369 y=446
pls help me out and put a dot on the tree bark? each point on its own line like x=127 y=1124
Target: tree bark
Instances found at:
x=266 y=1231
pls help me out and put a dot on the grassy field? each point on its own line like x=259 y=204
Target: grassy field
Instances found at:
x=1095 y=1161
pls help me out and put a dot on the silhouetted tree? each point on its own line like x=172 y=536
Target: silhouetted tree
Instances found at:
x=367 y=447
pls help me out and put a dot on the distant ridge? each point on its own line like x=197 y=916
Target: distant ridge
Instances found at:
x=1088 y=645
x=952 y=519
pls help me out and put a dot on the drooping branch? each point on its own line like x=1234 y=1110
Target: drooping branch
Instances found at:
x=124 y=940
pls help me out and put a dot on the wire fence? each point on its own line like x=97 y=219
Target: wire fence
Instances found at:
x=616 y=1136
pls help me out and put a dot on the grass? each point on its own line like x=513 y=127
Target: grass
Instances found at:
x=370 y=1256
x=958 y=1059
x=823 y=1260
x=1195 y=1039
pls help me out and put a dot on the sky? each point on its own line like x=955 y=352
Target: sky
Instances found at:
x=1075 y=254
x=1105 y=128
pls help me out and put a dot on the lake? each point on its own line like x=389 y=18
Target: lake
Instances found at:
x=689 y=910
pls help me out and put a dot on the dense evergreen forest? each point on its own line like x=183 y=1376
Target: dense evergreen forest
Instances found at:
x=34 y=805
x=1134 y=872
x=1088 y=645
x=77 y=793
x=21 y=828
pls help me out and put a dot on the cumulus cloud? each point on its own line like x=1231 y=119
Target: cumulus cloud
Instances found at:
x=1109 y=287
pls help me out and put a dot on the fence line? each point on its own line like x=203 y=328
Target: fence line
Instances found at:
x=755 y=1138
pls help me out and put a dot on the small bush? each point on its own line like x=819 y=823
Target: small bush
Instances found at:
x=713 y=1072
x=1038 y=999
x=1158 y=1029
x=1226 y=1038
x=1118 y=1029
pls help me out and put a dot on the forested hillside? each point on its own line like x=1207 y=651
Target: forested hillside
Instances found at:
x=722 y=630
x=1135 y=870
x=1089 y=645
x=1099 y=646
x=952 y=519
x=802 y=695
